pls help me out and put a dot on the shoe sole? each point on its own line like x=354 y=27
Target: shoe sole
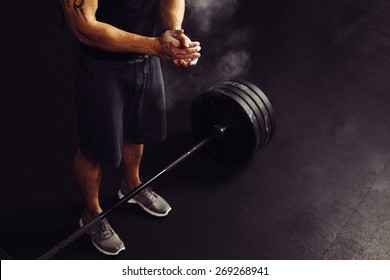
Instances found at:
x=81 y=224
x=156 y=214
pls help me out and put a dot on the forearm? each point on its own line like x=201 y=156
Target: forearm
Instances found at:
x=81 y=18
x=107 y=37
x=172 y=13
x=82 y=21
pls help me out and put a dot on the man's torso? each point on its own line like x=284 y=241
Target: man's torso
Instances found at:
x=135 y=16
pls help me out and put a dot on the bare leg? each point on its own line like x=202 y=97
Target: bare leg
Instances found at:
x=131 y=159
x=147 y=199
x=88 y=175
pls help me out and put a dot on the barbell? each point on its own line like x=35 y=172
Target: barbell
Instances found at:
x=244 y=112
x=234 y=120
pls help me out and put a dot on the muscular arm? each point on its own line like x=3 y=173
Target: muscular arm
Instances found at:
x=80 y=15
x=172 y=13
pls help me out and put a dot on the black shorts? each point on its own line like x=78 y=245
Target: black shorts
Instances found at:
x=119 y=100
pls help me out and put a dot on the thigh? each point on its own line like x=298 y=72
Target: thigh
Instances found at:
x=103 y=90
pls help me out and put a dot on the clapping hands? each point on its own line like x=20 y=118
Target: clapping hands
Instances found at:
x=178 y=48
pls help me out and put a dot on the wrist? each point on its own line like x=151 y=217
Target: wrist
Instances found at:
x=155 y=47
x=152 y=46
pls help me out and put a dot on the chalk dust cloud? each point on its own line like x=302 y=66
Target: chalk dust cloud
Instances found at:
x=225 y=53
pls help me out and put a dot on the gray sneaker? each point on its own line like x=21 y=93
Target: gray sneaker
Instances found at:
x=104 y=237
x=148 y=200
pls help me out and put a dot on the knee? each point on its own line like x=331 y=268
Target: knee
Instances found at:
x=82 y=158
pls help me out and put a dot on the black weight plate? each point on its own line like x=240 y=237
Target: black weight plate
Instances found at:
x=254 y=103
x=215 y=107
x=267 y=105
x=249 y=107
x=261 y=106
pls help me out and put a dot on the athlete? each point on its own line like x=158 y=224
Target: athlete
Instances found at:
x=120 y=95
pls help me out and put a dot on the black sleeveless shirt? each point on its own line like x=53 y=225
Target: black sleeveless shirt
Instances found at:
x=135 y=16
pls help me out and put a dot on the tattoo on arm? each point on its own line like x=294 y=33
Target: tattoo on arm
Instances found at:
x=77 y=6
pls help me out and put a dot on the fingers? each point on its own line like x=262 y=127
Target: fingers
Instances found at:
x=193 y=44
x=170 y=38
x=191 y=47
x=185 y=62
x=177 y=32
x=184 y=40
x=176 y=62
x=193 y=62
x=187 y=56
x=184 y=51
x=181 y=37
x=179 y=49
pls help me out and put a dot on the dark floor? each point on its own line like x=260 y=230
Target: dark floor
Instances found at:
x=319 y=190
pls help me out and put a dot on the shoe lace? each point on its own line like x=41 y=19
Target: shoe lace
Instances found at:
x=105 y=229
x=149 y=194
